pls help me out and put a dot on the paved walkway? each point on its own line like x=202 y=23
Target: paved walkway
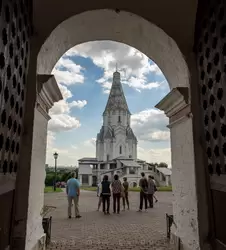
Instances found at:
x=128 y=230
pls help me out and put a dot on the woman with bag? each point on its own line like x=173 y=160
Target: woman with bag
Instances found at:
x=117 y=191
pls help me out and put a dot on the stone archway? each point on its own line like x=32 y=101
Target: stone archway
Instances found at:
x=155 y=43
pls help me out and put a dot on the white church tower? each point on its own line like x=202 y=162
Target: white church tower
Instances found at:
x=116 y=145
x=116 y=138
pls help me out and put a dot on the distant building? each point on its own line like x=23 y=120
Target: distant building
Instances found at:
x=116 y=145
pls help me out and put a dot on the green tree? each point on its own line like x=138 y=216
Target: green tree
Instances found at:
x=65 y=176
x=49 y=179
x=162 y=165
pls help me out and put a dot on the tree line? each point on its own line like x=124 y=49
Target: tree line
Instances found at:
x=61 y=176
x=159 y=165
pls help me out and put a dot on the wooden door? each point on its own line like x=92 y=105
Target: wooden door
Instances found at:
x=210 y=47
x=14 y=60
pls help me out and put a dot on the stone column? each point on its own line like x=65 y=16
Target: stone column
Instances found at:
x=80 y=179
x=90 y=180
x=167 y=181
x=48 y=93
x=98 y=173
x=127 y=170
x=176 y=106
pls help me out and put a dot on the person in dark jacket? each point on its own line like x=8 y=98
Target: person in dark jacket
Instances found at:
x=143 y=192
x=106 y=194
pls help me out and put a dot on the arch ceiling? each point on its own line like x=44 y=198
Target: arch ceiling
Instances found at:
x=122 y=27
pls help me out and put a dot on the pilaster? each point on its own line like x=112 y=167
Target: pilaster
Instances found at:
x=47 y=94
x=177 y=108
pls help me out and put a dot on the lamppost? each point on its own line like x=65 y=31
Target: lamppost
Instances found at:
x=55 y=155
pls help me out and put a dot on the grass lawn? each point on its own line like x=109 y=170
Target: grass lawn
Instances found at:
x=135 y=189
x=160 y=189
x=89 y=188
x=50 y=190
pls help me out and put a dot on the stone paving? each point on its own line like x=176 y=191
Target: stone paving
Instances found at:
x=128 y=230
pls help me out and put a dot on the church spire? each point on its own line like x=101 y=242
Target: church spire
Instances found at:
x=116 y=99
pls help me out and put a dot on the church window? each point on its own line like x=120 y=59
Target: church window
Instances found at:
x=120 y=150
x=119 y=118
x=107 y=157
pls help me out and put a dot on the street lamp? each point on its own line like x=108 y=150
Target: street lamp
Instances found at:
x=55 y=155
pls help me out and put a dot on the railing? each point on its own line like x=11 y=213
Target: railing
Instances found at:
x=47 y=226
x=47 y=222
x=169 y=222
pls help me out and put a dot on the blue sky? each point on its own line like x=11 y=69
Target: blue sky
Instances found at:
x=84 y=76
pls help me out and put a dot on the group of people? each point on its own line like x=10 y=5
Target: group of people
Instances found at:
x=120 y=190
x=117 y=189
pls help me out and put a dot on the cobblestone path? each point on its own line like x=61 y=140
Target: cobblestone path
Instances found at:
x=129 y=230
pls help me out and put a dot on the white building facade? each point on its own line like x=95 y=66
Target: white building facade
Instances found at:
x=116 y=144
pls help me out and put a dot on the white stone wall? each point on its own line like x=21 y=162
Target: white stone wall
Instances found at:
x=111 y=147
x=37 y=178
x=131 y=149
x=113 y=118
x=184 y=185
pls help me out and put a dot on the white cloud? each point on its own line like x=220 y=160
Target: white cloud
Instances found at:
x=154 y=68
x=90 y=142
x=150 y=125
x=50 y=139
x=155 y=155
x=134 y=65
x=63 y=122
x=66 y=93
x=69 y=156
x=78 y=104
x=139 y=84
x=67 y=72
x=159 y=135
